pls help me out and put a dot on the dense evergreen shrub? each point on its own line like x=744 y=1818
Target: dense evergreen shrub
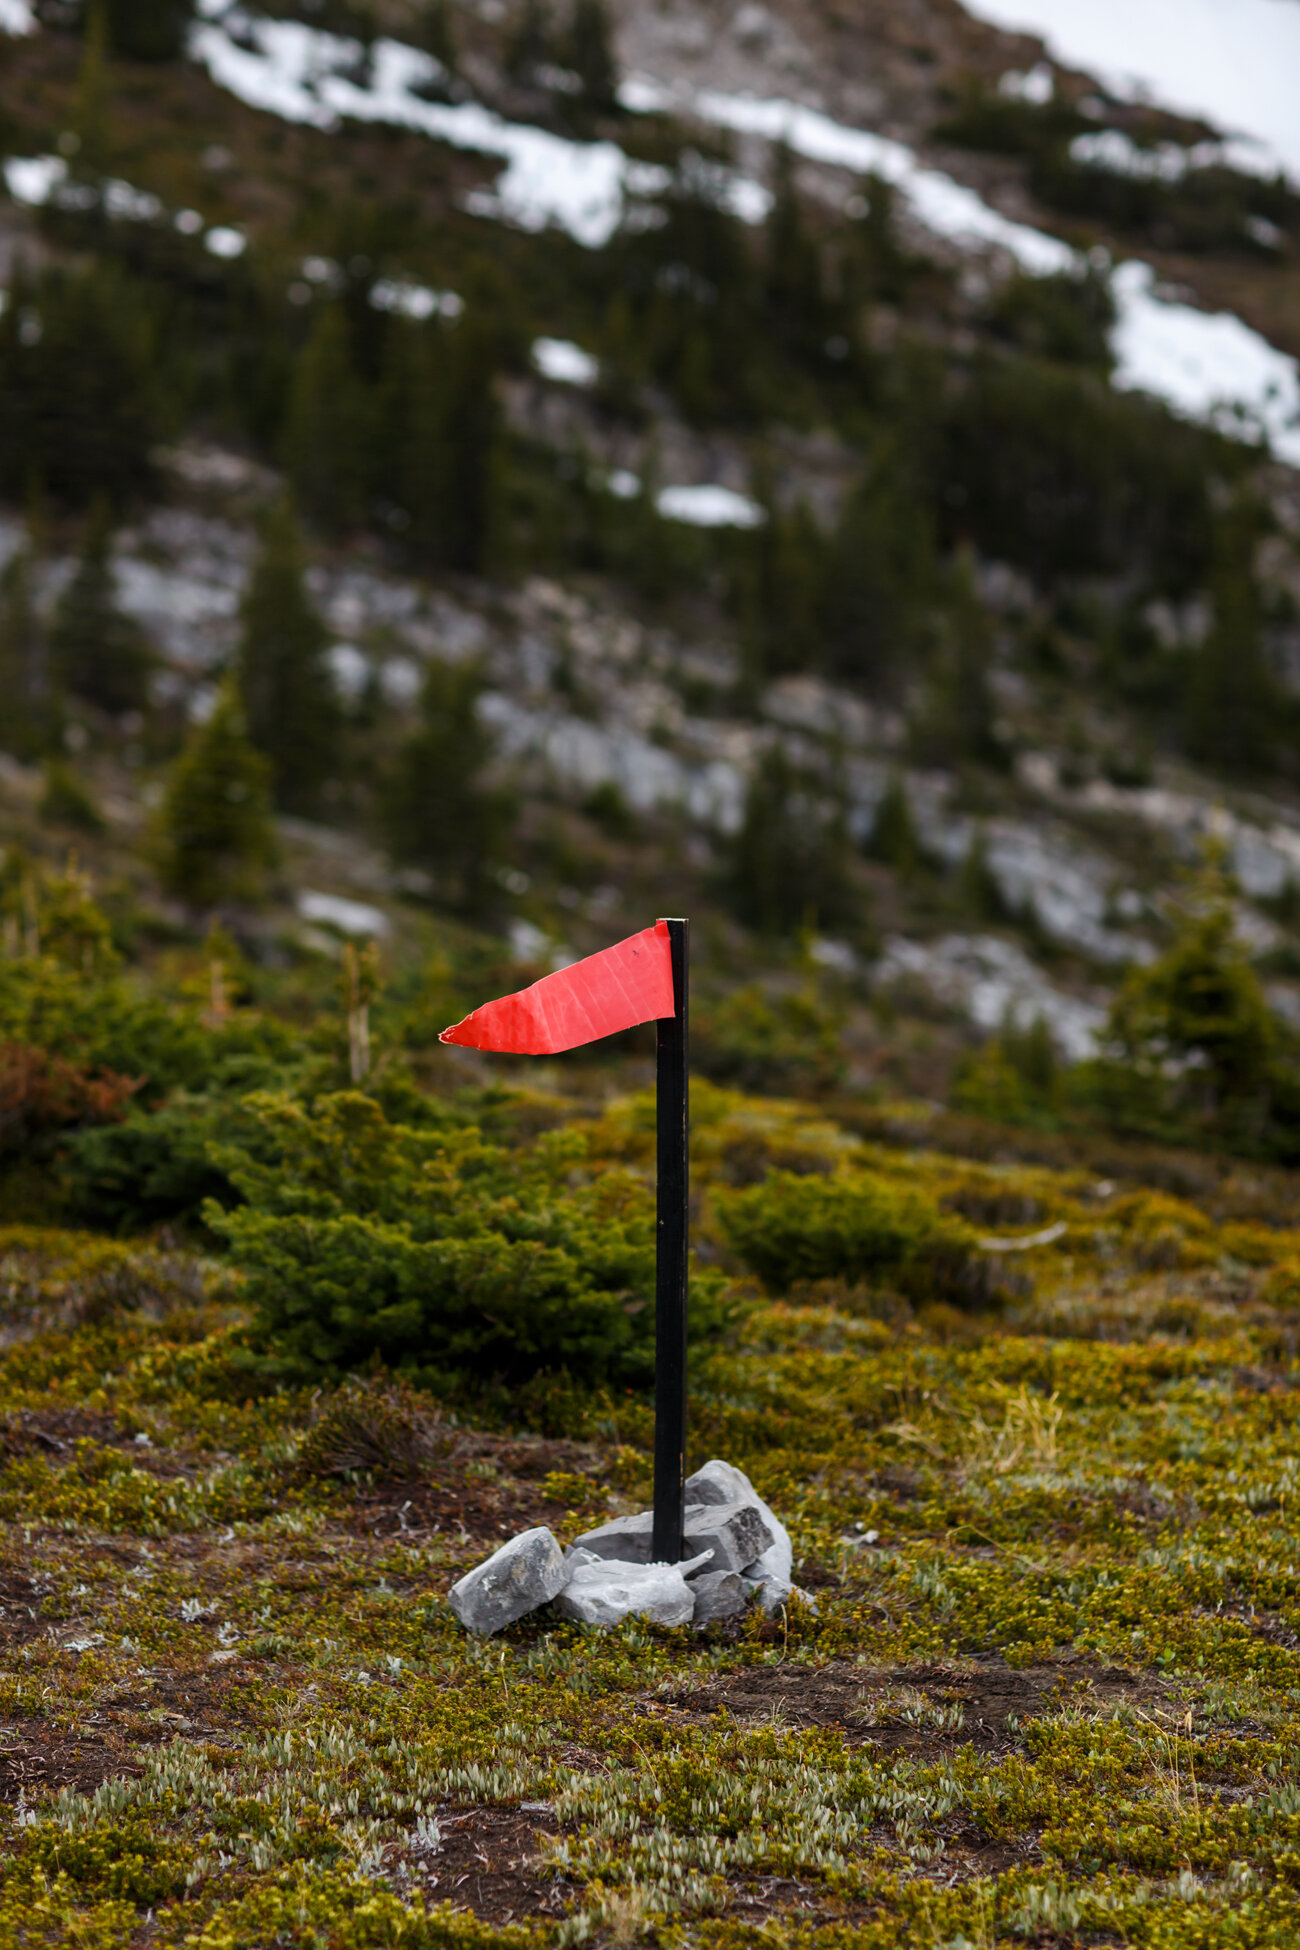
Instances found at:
x=853 y=1226
x=441 y=1254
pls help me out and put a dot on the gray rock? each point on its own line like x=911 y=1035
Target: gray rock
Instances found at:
x=772 y=1570
x=735 y=1532
x=523 y=1574
x=718 y=1594
x=601 y=1591
x=624 y=1540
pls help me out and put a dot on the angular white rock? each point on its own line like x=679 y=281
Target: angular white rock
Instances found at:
x=772 y=1570
x=603 y=1591
x=523 y=1574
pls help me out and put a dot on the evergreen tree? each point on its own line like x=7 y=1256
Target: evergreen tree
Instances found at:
x=591 y=55
x=440 y=456
x=790 y=863
x=878 y=264
x=27 y=720
x=1233 y=704
x=893 y=839
x=326 y=441
x=149 y=30
x=90 y=101
x=99 y=654
x=956 y=725
x=792 y=267
x=531 y=46
x=80 y=400
x=288 y=692
x=1191 y=1035
x=65 y=800
x=435 y=35
x=881 y=576
x=217 y=839
x=440 y=814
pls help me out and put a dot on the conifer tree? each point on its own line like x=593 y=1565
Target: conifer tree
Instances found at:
x=326 y=433
x=27 y=714
x=288 y=693
x=80 y=400
x=217 y=838
x=893 y=838
x=531 y=45
x=881 y=575
x=149 y=30
x=1232 y=708
x=591 y=55
x=99 y=654
x=90 y=100
x=440 y=814
x=793 y=274
x=956 y=725
x=790 y=865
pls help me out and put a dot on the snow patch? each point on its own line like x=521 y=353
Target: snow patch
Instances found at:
x=409 y=300
x=34 y=179
x=1234 y=61
x=1208 y=366
x=307 y=76
x=709 y=506
x=565 y=362
x=349 y=917
x=226 y=242
x=1165 y=162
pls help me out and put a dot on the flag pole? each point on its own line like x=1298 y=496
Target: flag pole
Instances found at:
x=672 y=1247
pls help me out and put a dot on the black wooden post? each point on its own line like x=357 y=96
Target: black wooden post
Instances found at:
x=673 y=1120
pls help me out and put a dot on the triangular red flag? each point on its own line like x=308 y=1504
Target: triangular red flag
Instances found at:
x=629 y=983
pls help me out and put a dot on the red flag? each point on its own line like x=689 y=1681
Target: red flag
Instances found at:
x=629 y=983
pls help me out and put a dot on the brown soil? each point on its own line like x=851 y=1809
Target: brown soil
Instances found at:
x=36 y=1760
x=450 y=1498
x=20 y=1609
x=489 y=1862
x=858 y=1700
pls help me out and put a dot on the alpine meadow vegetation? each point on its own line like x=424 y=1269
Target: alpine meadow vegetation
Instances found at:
x=465 y=492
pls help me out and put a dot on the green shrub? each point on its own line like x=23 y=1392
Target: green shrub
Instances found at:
x=770 y=1042
x=853 y=1226
x=438 y=1254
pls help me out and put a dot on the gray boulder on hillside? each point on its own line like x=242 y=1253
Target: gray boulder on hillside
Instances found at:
x=523 y=1574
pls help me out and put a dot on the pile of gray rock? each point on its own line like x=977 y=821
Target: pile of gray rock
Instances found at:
x=737 y=1552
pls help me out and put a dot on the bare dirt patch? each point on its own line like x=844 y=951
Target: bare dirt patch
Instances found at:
x=921 y=1711
x=37 y=1760
x=489 y=1487
x=489 y=1861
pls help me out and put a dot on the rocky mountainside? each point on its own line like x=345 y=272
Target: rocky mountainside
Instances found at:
x=845 y=456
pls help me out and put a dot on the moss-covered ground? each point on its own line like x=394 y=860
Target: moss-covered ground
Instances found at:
x=1048 y=1689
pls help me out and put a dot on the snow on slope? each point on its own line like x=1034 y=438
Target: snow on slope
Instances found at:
x=305 y=75
x=1237 y=62
x=1206 y=366
x=1203 y=365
